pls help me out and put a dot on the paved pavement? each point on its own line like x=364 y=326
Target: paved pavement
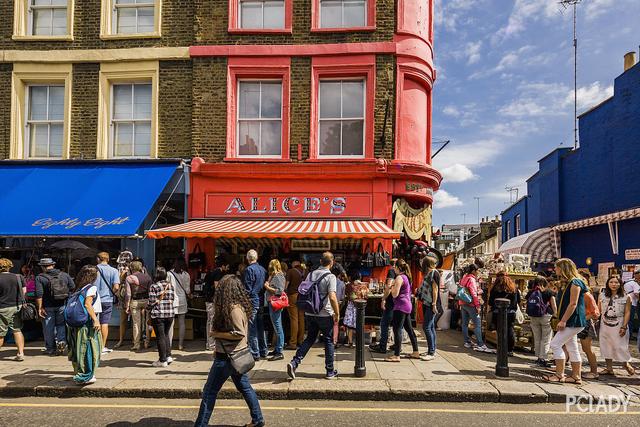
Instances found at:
x=120 y=412
x=457 y=374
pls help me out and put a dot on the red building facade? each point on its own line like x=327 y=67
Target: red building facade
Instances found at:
x=328 y=122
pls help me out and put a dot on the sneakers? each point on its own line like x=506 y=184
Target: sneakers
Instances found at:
x=276 y=356
x=482 y=349
x=291 y=371
x=169 y=360
x=427 y=357
x=159 y=364
x=468 y=345
x=90 y=381
x=331 y=375
x=61 y=347
x=377 y=349
x=106 y=350
x=19 y=358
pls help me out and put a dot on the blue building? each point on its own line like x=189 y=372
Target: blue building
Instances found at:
x=586 y=202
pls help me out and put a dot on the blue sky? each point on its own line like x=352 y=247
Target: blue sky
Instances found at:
x=504 y=93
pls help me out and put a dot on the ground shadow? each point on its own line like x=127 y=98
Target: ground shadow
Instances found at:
x=152 y=422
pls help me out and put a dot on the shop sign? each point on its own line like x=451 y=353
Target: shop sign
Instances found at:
x=288 y=205
x=632 y=254
x=71 y=223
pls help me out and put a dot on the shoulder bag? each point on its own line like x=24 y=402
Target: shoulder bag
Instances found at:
x=27 y=310
x=115 y=297
x=241 y=360
x=197 y=258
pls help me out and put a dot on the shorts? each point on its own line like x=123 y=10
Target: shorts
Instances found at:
x=10 y=318
x=588 y=332
x=107 y=310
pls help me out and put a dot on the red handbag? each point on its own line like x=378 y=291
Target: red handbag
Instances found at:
x=279 y=302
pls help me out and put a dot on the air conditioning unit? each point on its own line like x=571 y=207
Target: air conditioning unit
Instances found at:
x=310 y=245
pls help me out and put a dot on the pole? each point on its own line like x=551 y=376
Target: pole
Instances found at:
x=575 y=76
x=360 y=370
x=502 y=360
x=478 y=199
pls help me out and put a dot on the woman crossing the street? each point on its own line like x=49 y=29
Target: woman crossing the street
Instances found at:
x=230 y=329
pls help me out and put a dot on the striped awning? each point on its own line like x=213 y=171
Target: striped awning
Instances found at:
x=537 y=243
x=598 y=220
x=277 y=229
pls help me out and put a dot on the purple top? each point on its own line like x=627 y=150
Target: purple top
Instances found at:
x=403 y=301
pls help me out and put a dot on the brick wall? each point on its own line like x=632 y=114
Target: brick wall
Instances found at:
x=212 y=23
x=385 y=91
x=174 y=109
x=5 y=108
x=177 y=28
x=84 y=111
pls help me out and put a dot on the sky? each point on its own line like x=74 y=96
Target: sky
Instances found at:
x=504 y=90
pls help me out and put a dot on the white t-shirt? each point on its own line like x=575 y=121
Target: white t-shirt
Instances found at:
x=93 y=292
x=632 y=288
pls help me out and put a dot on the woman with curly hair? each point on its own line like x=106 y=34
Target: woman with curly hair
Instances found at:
x=230 y=328
x=504 y=287
x=85 y=342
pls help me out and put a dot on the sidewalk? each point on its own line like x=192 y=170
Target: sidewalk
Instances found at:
x=457 y=374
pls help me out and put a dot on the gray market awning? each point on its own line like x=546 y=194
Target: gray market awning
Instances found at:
x=537 y=243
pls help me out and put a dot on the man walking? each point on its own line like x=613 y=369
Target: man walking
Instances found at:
x=323 y=321
x=137 y=286
x=12 y=292
x=53 y=287
x=108 y=283
x=254 y=277
x=387 y=312
x=295 y=275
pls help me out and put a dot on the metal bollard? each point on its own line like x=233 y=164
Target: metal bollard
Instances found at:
x=502 y=360
x=360 y=370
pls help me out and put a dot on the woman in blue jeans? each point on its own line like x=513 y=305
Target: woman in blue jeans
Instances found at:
x=429 y=295
x=472 y=310
x=230 y=328
x=274 y=286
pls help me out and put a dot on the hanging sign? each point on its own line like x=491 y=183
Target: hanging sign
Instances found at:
x=416 y=223
x=294 y=205
x=632 y=254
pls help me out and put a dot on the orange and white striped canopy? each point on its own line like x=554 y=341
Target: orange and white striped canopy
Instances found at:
x=273 y=229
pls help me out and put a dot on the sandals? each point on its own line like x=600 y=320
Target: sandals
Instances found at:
x=605 y=371
x=573 y=380
x=591 y=376
x=630 y=370
x=394 y=359
x=554 y=378
x=411 y=356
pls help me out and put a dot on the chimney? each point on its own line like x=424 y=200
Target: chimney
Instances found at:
x=629 y=60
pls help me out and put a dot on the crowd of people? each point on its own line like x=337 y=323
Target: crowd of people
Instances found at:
x=313 y=301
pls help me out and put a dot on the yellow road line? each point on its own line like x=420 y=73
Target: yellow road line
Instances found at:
x=313 y=409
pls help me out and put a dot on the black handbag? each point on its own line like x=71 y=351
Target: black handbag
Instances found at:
x=197 y=258
x=242 y=361
x=28 y=311
x=368 y=258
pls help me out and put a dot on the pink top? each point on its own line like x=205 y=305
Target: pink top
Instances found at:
x=470 y=282
x=402 y=302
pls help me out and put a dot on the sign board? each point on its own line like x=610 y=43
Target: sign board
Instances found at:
x=603 y=271
x=632 y=254
x=288 y=205
x=626 y=276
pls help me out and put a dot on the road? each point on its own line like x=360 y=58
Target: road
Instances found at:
x=93 y=412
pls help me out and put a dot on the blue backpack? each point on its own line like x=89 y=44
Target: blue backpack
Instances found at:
x=536 y=306
x=309 y=299
x=75 y=313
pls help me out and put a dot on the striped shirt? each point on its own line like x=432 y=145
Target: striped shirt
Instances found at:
x=161 y=297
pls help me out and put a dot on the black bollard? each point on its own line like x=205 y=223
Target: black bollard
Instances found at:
x=502 y=360
x=360 y=370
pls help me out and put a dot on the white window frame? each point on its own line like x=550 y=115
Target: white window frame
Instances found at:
x=109 y=20
x=259 y=119
x=113 y=121
x=31 y=22
x=28 y=123
x=262 y=2
x=517 y=221
x=343 y=119
x=23 y=21
x=342 y=23
x=117 y=7
x=508 y=228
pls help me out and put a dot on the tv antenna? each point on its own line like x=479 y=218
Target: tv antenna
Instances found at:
x=566 y=4
x=511 y=191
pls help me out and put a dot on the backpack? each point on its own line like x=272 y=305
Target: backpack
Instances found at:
x=58 y=287
x=141 y=290
x=75 y=313
x=536 y=306
x=341 y=290
x=309 y=300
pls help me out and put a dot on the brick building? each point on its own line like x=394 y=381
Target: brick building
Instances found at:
x=277 y=101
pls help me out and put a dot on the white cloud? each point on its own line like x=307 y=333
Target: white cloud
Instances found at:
x=473 y=52
x=525 y=11
x=590 y=96
x=457 y=173
x=442 y=200
x=595 y=8
x=478 y=154
x=466 y=114
x=536 y=100
x=450 y=13
x=451 y=110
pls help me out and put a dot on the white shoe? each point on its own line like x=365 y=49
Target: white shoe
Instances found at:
x=106 y=350
x=169 y=360
x=427 y=357
x=482 y=349
x=468 y=345
x=91 y=381
x=159 y=364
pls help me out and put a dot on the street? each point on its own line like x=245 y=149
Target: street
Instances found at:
x=159 y=412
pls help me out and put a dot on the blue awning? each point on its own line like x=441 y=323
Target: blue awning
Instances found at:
x=79 y=198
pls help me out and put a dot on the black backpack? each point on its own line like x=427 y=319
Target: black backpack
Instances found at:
x=58 y=287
